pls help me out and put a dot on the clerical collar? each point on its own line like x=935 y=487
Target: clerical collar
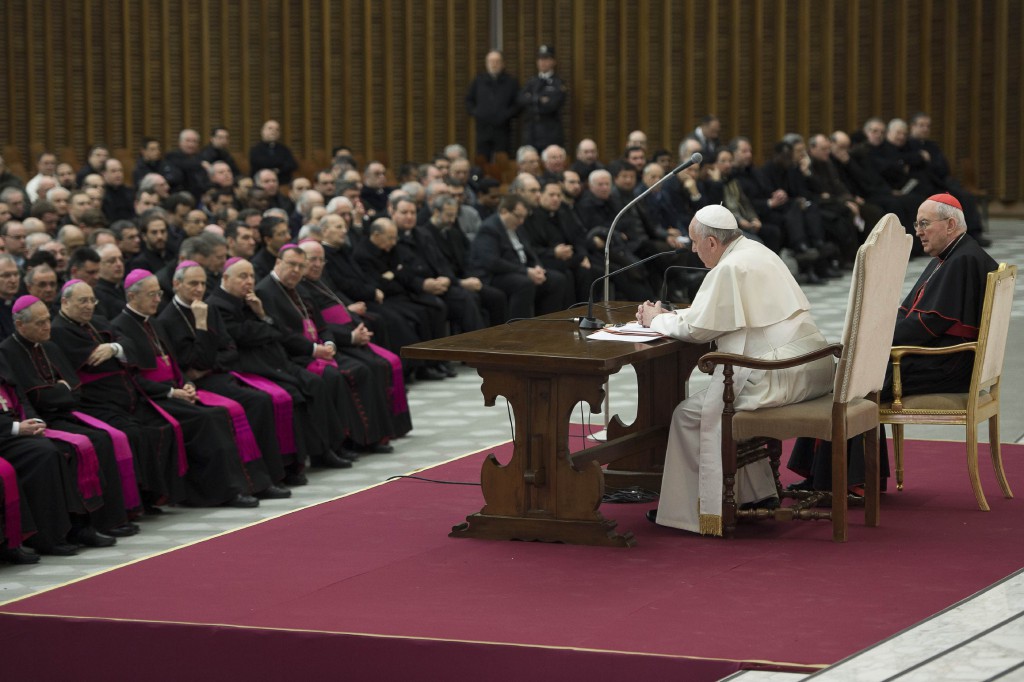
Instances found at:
x=949 y=249
x=135 y=312
x=177 y=299
x=547 y=74
x=277 y=279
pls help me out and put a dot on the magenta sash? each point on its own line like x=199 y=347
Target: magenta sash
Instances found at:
x=12 y=504
x=123 y=455
x=336 y=314
x=179 y=437
x=163 y=371
x=88 y=463
x=87 y=378
x=248 y=450
x=397 y=388
x=283 y=419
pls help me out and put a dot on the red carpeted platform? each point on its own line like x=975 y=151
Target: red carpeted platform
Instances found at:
x=369 y=586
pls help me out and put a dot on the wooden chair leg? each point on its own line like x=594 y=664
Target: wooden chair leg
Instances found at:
x=997 y=457
x=972 y=463
x=872 y=480
x=897 y=448
x=774 y=458
x=839 y=487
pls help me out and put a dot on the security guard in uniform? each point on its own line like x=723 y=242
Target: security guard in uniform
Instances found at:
x=541 y=100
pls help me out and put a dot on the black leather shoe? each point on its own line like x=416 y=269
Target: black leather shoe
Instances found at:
x=333 y=460
x=430 y=374
x=274 y=492
x=18 y=556
x=243 y=501
x=652 y=515
x=153 y=510
x=806 y=484
x=449 y=369
x=123 y=531
x=90 y=537
x=295 y=480
x=381 y=449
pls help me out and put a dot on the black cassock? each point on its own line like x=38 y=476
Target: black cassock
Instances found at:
x=212 y=351
x=215 y=473
x=347 y=278
x=358 y=401
x=317 y=426
x=108 y=393
x=943 y=309
x=324 y=297
x=38 y=463
x=38 y=369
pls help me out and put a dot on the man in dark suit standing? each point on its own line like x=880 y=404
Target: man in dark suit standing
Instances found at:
x=491 y=100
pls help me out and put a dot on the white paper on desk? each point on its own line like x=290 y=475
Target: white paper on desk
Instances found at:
x=632 y=332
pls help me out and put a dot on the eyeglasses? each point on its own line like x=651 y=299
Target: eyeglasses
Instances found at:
x=925 y=222
x=90 y=300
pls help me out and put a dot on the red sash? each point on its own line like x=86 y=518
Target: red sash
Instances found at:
x=12 y=505
x=336 y=314
x=164 y=370
x=248 y=450
x=88 y=463
x=123 y=455
x=283 y=419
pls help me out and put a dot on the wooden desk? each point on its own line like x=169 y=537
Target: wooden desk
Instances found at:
x=544 y=369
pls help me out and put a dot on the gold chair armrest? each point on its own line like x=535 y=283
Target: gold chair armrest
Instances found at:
x=897 y=353
x=708 y=361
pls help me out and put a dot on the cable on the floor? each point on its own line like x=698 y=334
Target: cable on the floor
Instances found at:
x=430 y=480
x=631 y=495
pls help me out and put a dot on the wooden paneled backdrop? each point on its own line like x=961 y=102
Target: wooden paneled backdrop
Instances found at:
x=388 y=77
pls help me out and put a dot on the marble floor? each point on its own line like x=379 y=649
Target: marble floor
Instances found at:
x=450 y=420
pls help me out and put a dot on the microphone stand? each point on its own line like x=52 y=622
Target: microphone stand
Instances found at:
x=591 y=322
x=667 y=305
x=696 y=158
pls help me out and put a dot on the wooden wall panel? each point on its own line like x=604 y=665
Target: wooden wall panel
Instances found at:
x=388 y=77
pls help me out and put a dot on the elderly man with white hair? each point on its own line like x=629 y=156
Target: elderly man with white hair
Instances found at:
x=749 y=304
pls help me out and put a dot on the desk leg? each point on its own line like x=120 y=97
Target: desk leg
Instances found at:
x=537 y=495
x=661 y=386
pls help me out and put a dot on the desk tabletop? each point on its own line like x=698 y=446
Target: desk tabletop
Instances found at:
x=551 y=342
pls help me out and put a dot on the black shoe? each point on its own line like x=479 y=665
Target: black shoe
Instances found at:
x=766 y=503
x=295 y=480
x=430 y=374
x=810 y=277
x=58 y=549
x=381 y=449
x=806 y=484
x=122 y=531
x=242 y=501
x=18 y=556
x=153 y=510
x=805 y=255
x=88 y=536
x=449 y=369
x=274 y=492
x=652 y=515
x=333 y=460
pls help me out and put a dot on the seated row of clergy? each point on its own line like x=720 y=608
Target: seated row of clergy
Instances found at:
x=211 y=404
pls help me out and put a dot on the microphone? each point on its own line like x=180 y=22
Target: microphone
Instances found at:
x=591 y=322
x=667 y=305
x=696 y=158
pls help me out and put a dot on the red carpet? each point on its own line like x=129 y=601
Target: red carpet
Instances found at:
x=370 y=586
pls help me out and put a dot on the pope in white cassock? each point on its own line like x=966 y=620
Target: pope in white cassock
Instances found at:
x=749 y=304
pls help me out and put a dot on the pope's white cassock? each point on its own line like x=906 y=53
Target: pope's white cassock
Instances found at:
x=749 y=304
